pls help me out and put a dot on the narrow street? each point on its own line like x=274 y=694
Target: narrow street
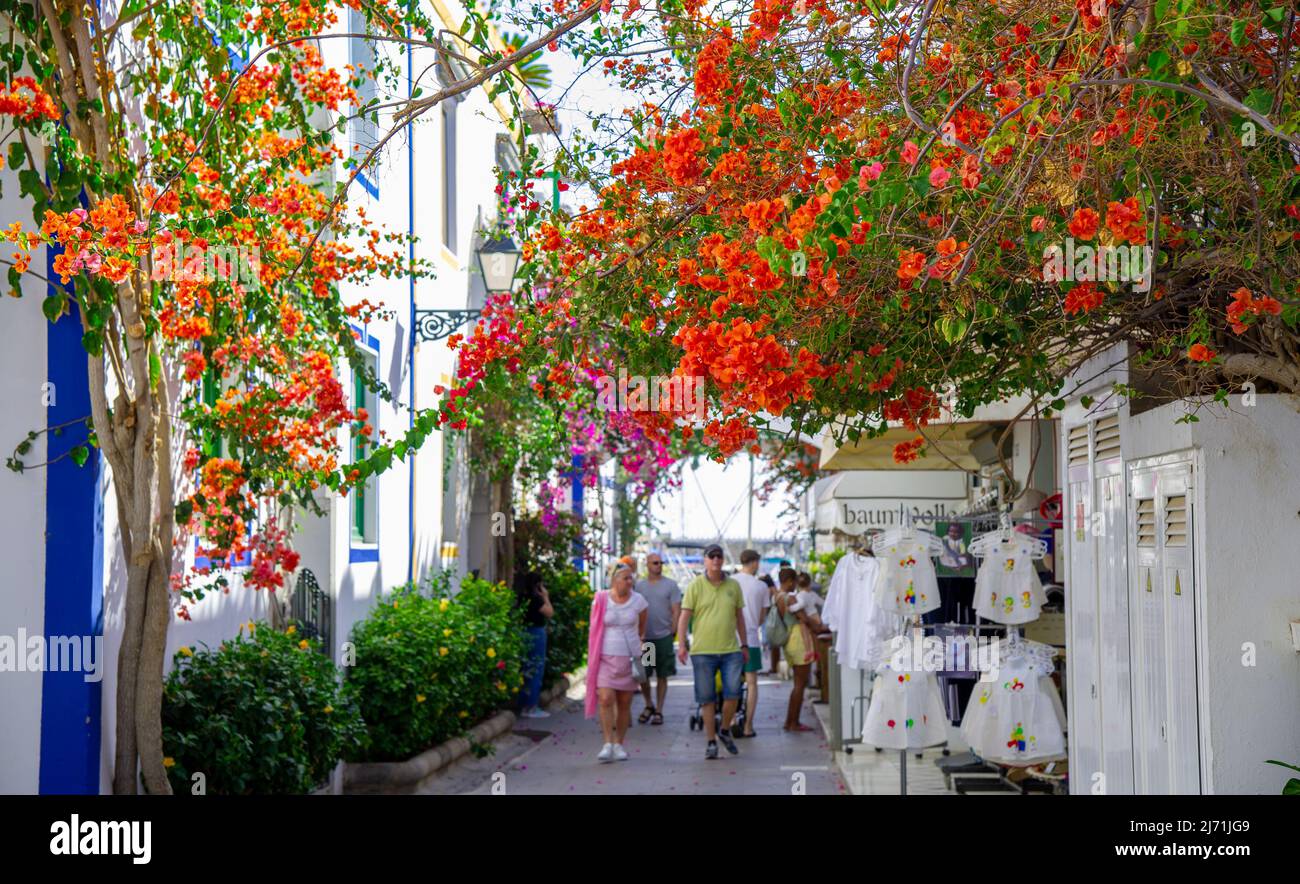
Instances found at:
x=557 y=755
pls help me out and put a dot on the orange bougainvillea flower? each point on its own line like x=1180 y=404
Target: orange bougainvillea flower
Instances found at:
x=906 y=452
x=1245 y=309
x=1084 y=224
x=1083 y=298
x=910 y=266
x=1200 y=353
x=1126 y=221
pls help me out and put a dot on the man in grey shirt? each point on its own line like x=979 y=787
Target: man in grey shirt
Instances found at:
x=665 y=599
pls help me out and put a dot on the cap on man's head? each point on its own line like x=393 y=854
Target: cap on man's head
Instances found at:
x=712 y=550
x=748 y=556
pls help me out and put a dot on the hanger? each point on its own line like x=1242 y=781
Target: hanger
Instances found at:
x=908 y=531
x=991 y=542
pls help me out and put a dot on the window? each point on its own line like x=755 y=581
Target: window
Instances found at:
x=364 y=511
x=507 y=155
x=362 y=132
x=449 y=175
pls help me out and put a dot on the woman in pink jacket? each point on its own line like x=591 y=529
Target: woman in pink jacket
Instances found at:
x=617 y=630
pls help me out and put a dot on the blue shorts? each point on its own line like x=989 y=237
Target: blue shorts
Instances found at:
x=707 y=666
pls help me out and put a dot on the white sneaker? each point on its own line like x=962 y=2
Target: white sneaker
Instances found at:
x=620 y=754
x=535 y=712
x=606 y=753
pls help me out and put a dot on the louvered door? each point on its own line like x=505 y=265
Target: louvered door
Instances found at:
x=1166 y=751
x=1097 y=595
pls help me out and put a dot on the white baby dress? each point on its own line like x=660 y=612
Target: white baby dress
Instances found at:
x=861 y=627
x=906 y=709
x=1015 y=717
x=907 y=584
x=1007 y=588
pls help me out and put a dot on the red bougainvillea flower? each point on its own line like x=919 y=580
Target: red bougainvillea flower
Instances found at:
x=906 y=452
x=1126 y=221
x=1083 y=298
x=910 y=266
x=1200 y=353
x=1245 y=309
x=1084 y=224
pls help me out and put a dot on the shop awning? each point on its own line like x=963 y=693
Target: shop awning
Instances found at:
x=950 y=443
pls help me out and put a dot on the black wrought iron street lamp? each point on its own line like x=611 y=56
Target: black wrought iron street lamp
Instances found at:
x=498 y=259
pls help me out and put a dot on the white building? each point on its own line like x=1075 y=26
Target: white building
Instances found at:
x=66 y=577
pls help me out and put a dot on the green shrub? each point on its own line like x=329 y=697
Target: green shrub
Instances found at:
x=429 y=666
x=566 y=640
x=262 y=714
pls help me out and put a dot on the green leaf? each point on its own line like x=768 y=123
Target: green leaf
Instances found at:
x=54 y=306
x=17 y=155
x=184 y=510
x=1260 y=100
x=80 y=454
x=155 y=368
x=1157 y=60
x=1238 y=32
x=1162 y=6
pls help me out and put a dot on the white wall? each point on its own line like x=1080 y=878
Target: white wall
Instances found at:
x=22 y=517
x=1248 y=584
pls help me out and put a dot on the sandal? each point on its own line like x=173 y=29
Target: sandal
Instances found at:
x=646 y=713
x=657 y=717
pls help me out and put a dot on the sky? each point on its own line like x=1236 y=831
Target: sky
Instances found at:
x=722 y=490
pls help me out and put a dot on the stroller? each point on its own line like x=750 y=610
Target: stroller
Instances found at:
x=696 y=721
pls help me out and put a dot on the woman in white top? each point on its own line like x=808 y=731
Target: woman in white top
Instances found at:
x=625 y=619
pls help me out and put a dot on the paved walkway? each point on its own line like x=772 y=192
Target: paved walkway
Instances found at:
x=557 y=755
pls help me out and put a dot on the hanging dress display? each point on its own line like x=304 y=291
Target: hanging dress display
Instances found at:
x=907 y=584
x=906 y=709
x=1016 y=717
x=1007 y=588
x=861 y=626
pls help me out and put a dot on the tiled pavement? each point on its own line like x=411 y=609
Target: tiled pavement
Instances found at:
x=557 y=755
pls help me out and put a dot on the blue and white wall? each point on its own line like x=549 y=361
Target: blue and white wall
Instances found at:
x=58 y=525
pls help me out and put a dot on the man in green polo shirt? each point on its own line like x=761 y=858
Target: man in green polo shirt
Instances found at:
x=718 y=608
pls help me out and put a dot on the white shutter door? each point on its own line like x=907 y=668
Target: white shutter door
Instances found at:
x=1083 y=688
x=1150 y=695
x=1113 y=622
x=1180 y=619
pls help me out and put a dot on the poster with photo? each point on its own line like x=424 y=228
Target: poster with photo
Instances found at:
x=956 y=560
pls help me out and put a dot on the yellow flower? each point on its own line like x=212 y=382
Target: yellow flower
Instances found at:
x=291 y=630
x=501 y=686
x=303 y=644
x=186 y=652
x=444 y=605
x=328 y=709
x=514 y=690
x=251 y=626
x=394 y=604
x=463 y=714
x=169 y=762
x=419 y=698
x=446 y=633
x=492 y=652
x=442 y=652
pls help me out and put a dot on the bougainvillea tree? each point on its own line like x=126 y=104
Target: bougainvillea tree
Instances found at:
x=178 y=158
x=852 y=207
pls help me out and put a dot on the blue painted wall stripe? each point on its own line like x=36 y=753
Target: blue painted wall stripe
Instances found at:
x=74 y=585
